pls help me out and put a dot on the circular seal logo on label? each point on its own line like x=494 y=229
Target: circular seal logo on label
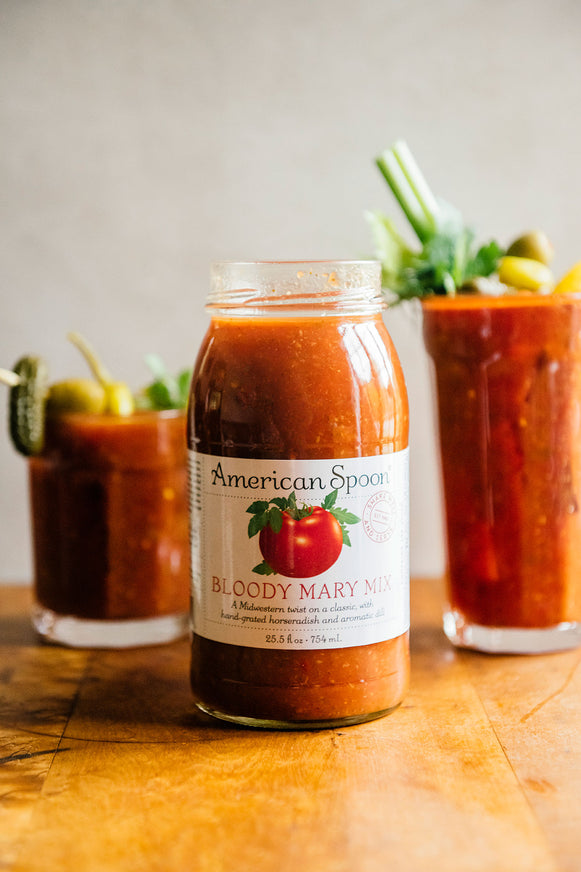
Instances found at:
x=379 y=516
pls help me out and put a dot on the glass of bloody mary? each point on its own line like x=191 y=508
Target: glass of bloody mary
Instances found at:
x=504 y=337
x=507 y=377
x=110 y=529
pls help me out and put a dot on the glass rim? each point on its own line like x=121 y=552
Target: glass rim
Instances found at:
x=518 y=299
x=106 y=419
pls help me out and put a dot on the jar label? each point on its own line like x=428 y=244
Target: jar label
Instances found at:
x=300 y=554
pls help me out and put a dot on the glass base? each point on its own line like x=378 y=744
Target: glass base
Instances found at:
x=275 y=724
x=82 y=633
x=510 y=640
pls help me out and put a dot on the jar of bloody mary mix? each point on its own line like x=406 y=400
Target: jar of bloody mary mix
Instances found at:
x=298 y=439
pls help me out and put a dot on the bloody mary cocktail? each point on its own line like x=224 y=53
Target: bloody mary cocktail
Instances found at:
x=507 y=373
x=504 y=335
x=110 y=529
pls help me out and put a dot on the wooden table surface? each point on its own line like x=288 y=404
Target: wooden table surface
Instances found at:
x=105 y=766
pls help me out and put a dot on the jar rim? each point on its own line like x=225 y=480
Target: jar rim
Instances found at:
x=325 y=286
x=294 y=261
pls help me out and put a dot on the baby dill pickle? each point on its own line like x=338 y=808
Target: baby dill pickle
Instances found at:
x=525 y=274
x=27 y=401
x=76 y=395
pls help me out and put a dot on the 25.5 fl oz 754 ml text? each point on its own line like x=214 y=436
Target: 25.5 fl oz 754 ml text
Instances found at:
x=314 y=640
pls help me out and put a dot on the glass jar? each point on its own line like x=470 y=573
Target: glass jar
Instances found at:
x=110 y=530
x=298 y=438
x=507 y=373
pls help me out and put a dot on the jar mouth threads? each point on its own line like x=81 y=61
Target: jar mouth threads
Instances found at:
x=293 y=287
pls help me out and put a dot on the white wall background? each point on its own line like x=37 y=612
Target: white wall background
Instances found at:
x=142 y=139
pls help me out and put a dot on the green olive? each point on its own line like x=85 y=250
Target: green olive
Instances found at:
x=76 y=395
x=119 y=399
x=525 y=274
x=535 y=245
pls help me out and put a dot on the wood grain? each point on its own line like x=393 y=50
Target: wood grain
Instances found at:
x=105 y=766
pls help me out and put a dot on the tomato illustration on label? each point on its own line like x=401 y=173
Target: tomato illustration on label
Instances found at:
x=299 y=541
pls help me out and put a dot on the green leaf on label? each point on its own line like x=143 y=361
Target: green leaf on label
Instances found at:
x=281 y=502
x=345 y=517
x=258 y=507
x=264 y=569
x=346 y=539
x=275 y=519
x=257 y=523
x=330 y=500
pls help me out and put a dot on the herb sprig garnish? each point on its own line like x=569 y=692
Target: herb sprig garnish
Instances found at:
x=165 y=391
x=448 y=258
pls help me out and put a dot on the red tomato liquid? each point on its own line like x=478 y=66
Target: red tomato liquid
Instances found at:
x=110 y=516
x=508 y=378
x=289 y=387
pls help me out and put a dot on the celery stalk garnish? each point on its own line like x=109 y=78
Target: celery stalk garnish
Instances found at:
x=400 y=182
x=447 y=259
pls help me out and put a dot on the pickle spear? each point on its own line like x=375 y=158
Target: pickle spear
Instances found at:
x=28 y=391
